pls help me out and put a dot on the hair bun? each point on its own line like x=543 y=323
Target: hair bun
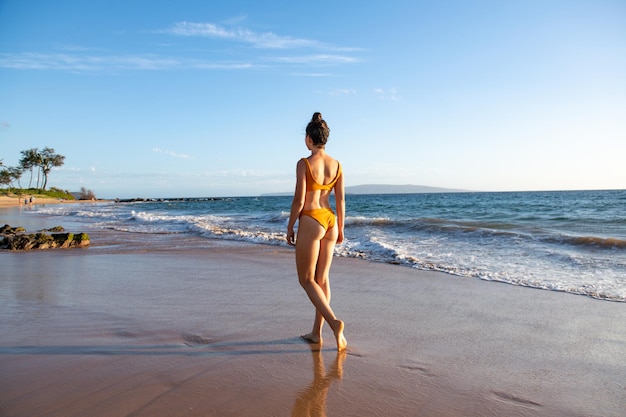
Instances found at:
x=317 y=117
x=318 y=130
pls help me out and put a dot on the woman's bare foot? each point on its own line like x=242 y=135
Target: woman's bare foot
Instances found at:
x=310 y=338
x=337 y=327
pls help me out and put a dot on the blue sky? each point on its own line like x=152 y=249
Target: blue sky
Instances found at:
x=198 y=98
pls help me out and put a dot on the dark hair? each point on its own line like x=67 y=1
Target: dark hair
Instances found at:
x=318 y=130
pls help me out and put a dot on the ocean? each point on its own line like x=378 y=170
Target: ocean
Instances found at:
x=569 y=241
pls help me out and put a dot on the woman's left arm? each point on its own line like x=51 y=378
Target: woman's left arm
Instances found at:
x=340 y=202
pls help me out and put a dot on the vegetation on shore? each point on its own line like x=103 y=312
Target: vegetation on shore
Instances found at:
x=39 y=162
x=37 y=193
x=33 y=161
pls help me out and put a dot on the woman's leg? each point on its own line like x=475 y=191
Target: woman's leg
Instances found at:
x=322 y=276
x=314 y=247
x=322 y=268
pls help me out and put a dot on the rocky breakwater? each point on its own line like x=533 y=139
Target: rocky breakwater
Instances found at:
x=16 y=238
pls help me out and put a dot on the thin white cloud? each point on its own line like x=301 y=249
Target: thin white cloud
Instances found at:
x=73 y=48
x=235 y=20
x=93 y=63
x=342 y=92
x=259 y=40
x=171 y=153
x=64 y=168
x=390 y=94
x=242 y=173
x=312 y=74
x=79 y=59
x=316 y=59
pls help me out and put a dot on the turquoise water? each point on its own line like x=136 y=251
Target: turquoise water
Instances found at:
x=572 y=241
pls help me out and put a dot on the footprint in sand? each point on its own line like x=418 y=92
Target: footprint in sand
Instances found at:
x=505 y=397
x=418 y=368
x=193 y=339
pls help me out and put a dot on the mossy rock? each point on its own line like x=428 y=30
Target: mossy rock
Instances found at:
x=10 y=230
x=14 y=239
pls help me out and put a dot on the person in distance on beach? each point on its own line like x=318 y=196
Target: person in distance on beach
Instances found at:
x=318 y=227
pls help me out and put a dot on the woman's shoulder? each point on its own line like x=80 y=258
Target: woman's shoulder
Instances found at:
x=329 y=160
x=334 y=162
x=315 y=161
x=333 y=167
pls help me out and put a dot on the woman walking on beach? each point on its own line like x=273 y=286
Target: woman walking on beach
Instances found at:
x=318 y=228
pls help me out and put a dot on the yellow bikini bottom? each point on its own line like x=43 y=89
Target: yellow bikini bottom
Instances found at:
x=323 y=216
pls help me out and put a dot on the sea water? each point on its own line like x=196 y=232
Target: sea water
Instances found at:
x=570 y=241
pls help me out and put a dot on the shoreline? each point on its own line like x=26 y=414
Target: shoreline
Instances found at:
x=176 y=325
x=17 y=201
x=13 y=214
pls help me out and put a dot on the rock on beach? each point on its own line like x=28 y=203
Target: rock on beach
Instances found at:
x=16 y=239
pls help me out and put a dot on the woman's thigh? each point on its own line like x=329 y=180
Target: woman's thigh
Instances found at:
x=325 y=256
x=310 y=235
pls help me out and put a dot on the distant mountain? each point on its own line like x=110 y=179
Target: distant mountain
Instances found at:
x=389 y=189
x=398 y=189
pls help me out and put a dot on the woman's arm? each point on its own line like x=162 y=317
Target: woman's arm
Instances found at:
x=340 y=201
x=298 y=201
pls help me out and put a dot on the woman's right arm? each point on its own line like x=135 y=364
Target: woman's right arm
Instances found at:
x=298 y=201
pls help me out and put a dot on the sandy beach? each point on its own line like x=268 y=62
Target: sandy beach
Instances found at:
x=182 y=326
x=15 y=201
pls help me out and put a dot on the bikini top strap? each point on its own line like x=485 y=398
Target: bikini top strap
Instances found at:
x=313 y=185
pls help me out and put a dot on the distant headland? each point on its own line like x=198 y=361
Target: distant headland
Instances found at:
x=389 y=189
x=398 y=189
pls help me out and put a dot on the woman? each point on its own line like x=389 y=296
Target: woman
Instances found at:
x=318 y=228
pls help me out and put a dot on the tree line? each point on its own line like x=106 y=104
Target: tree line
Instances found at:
x=32 y=161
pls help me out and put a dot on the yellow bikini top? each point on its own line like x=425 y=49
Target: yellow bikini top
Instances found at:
x=312 y=185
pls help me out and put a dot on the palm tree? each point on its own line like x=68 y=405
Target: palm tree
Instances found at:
x=30 y=160
x=16 y=174
x=5 y=177
x=10 y=174
x=49 y=160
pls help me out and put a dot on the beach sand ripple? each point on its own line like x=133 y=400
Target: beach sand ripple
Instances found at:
x=112 y=331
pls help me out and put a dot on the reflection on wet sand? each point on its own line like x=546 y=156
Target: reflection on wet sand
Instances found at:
x=312 y=401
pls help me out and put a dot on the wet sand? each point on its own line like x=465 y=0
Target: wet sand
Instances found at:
x=181 y=326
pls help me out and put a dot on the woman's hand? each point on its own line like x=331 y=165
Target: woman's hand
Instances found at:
x=291 y=237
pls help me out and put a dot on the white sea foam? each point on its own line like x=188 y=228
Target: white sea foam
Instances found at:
x=529 y=239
